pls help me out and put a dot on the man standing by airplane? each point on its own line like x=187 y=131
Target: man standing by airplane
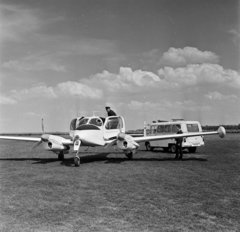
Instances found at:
x=179 y=143
x=110 y=112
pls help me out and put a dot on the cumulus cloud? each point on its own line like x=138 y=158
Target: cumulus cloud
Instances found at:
x=166 y=105
x=35 y=62
x=202 y=73
x=67 y=89
x=38 y=91
x=218 y=96
x=7 y=100
x=236 y=36
x=16 y=21
x=72 y=88
x=125 y=80
x=187 y=55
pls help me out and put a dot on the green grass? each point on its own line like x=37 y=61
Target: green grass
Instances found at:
x=153 y=192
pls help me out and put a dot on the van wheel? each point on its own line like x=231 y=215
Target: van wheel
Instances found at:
x=148 y=146
x=173 y=148
x=192 y=149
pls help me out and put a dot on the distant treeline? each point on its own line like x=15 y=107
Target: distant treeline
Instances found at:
x=229 y=129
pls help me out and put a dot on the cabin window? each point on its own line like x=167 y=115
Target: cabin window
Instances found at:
x=192 y=128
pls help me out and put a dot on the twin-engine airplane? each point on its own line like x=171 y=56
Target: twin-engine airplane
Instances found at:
x=97 y=131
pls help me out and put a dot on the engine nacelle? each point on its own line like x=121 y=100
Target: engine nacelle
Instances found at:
x=126 y=145
x=51 y=146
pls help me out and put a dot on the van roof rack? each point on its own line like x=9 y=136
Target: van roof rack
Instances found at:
x=181 y=119
x=162 y=121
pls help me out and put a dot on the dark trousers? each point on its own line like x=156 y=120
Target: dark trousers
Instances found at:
x=178 y=150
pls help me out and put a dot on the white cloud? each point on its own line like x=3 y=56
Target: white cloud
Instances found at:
x=203 y=73
x=16 y=21
x=236 y=36
x=66 y=89
x=166 y=105
x=38 y=91
x=7 y=100
x=218 y=96
x=187 y=55
x=125 y=80
x=35 y=62
x=72 y=88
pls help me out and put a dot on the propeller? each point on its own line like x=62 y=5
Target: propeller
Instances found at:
x=44 y=138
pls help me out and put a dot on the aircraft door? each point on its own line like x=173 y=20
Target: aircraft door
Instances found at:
x=112 y=126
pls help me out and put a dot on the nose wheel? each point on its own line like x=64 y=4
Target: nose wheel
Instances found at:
x=77 y=161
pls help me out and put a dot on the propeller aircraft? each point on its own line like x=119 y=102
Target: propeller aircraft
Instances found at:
x=98 y=131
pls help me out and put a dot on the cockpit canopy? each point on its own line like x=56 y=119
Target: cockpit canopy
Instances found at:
x=110 y=122
x=77 y=122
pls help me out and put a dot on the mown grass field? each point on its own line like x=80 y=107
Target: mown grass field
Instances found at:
x=153 y=192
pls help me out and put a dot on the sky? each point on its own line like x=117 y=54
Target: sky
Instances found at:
x=146 y=59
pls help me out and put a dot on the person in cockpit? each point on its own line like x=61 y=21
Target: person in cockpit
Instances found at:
x=110 y=112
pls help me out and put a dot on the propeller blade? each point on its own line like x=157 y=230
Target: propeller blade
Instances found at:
x=111 y=144
x=42 y=126
x=36 y=144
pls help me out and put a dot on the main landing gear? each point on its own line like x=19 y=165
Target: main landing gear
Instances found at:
x=129 y=155
x=61 y=156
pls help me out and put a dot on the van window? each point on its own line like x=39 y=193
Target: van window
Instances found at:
x=174 y=128
x=153 y=129
x=160 y=129
x=192 y=128
x=167 y=128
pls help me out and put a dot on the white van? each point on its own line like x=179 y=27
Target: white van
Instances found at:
x=167 y=128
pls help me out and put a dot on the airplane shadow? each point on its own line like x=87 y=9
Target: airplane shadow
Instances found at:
x=114 y=160
x=102 y=157
x=37 y=160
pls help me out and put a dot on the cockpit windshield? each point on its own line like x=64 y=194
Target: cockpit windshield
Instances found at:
x=95 y=121
x=76 y=123
x=82 y=122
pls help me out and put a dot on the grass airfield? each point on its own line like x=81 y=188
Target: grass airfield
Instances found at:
x=152 y=192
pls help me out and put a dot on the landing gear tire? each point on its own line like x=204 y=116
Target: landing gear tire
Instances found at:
x=173 y=148
x=77 y=161
x=61 y=156
x=130 y=156
x=148 y=147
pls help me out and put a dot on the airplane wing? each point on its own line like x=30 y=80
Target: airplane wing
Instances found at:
x=121 y=136
x=21 y=138
x=221 y=132
x=44 y=137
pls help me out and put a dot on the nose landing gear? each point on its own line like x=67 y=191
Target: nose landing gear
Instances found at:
x=77 y=161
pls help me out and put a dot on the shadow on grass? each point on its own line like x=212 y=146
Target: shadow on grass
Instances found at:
x=102 y=157
x=114 y=160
